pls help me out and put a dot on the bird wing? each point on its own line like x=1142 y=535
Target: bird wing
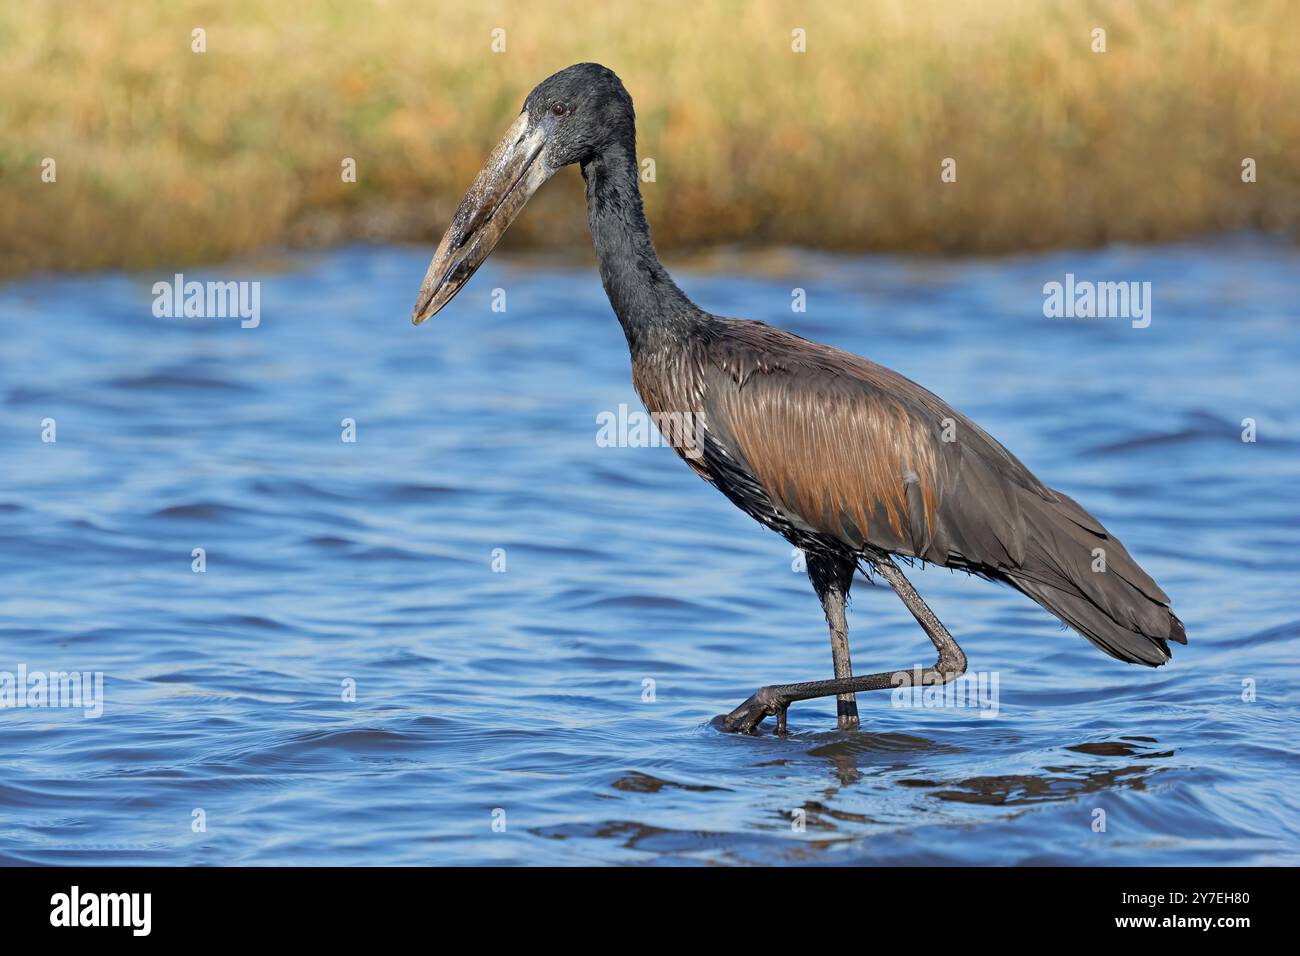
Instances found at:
x=851 y=450
x=838 y=447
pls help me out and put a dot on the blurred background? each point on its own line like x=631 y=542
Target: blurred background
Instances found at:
x=170 y=156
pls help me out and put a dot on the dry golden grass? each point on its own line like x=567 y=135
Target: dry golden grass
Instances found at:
x=166 y=156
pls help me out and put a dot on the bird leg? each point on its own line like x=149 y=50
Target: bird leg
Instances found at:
x=831 y=578
x=776 y=699
x=846 y=705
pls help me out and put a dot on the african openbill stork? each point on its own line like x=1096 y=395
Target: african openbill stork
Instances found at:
x=845 y=458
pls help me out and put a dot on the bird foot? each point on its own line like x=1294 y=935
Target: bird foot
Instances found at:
x=847 y=715
x=763 y=704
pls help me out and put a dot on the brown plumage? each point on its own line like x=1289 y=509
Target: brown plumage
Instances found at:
x=842 y=455
x=848 y=460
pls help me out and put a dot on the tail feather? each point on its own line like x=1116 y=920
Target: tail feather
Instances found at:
x=1081 y=573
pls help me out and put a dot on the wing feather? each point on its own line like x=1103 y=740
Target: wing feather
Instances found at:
x=851 y=451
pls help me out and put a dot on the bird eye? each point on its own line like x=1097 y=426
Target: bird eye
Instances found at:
x=559 y=109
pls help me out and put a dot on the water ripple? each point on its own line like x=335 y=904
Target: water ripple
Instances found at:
x=473 y=635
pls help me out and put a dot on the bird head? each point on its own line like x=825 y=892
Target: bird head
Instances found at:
x=570 y=117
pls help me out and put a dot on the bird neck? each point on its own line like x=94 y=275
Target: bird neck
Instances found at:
x=651 y=308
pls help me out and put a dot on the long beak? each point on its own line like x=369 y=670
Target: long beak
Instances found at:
x=512 y=173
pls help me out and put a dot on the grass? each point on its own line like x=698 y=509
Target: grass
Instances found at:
x=167 y=157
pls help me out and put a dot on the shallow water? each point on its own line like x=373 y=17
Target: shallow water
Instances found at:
x=520 y=697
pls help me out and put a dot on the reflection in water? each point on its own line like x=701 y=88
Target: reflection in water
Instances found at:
x=1065 y=783
x=474 y=635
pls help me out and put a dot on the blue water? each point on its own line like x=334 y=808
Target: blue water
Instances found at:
x=520 y=696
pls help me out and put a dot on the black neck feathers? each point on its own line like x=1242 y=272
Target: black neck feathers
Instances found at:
x=649 y=305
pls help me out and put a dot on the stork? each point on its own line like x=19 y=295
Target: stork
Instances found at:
x=847 y=459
